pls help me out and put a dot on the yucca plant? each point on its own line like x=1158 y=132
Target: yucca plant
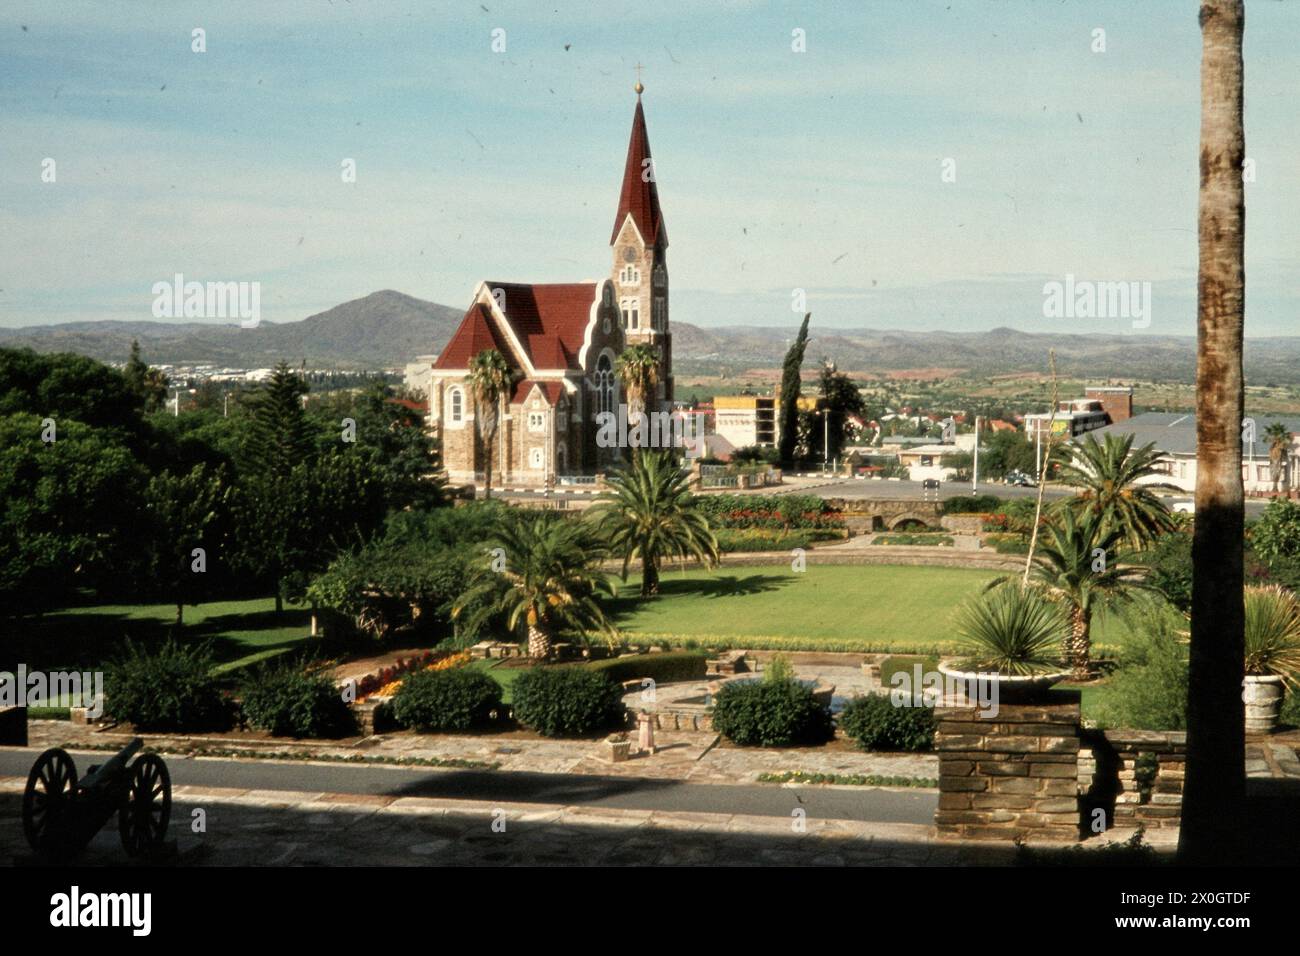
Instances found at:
x=1273 y=633
x=1012 y=630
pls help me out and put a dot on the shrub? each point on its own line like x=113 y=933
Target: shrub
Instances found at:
x=1290 y=712
x=761 y=539
x=921 y=538
x=662 y=668
x=166 y=689
x=1149 y=691
x=455 y=699
x=778 y=668
x=1009 y=543
x=567 y=701
x=876 y=724
x=1170 y=560
x=770 y=713
x=291 y=702
x=971 y=504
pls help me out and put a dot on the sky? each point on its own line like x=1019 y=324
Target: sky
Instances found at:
x=916 y=165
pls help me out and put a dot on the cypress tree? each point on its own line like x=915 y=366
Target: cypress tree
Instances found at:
x=790 y=384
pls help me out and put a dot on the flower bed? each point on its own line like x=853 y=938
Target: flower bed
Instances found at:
x=384 y=683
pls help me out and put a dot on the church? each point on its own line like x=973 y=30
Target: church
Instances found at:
x=561 y=341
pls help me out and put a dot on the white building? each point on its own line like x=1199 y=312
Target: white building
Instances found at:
x=1174 y=435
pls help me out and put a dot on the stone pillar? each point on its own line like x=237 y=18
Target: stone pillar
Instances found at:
x=1013 y=775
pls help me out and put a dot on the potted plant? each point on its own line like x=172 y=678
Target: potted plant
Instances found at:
x=1272 y=654
x=617 y=747
x=1011 y=634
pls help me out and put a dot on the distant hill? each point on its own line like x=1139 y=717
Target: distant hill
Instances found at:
x=388 y=329
x=999 y=351
x=380 y=330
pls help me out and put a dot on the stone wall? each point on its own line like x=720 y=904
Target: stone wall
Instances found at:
x=1033 y=772
x=1134 y=776
x=1010 y=776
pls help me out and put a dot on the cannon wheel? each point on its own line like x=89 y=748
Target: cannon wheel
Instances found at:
x=47 y=802
x=147 y=806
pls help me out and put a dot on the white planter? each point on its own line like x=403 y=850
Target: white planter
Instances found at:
x=1263 y=697
x=1011 y=690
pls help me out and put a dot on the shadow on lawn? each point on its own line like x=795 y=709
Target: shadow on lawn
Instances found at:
x=63 y=639
x=629 y=599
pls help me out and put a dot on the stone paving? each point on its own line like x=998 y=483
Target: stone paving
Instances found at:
x=286 y=828
x=1273 y=757
x=686 y=756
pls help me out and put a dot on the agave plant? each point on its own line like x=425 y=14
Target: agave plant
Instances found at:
x=1273 y=633
x=1012 y=630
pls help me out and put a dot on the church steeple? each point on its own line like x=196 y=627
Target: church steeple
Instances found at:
x=639 y=196
x=640 y=257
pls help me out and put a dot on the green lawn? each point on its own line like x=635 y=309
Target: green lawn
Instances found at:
x=505 y=676
x=832 y=608
x=241 y=631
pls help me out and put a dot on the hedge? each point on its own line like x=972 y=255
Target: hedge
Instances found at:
x=662 y=668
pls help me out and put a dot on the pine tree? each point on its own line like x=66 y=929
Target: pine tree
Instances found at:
x=790 y=383
x=279 y=435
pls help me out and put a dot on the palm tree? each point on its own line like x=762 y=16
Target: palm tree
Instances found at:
x=1215 y=790
x=650 y=513
x=1107 y=474
x=1078 y=564
x=1279 y=443
x=550 y=581
x=489 y=379
x=637 y=369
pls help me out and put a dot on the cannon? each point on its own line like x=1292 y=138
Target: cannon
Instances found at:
x=61 y=815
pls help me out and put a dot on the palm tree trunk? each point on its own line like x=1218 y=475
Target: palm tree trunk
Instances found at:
x=649 y=577
x=1214 y=792
x=488 y=435
x=1080 y=651
x=539 y=642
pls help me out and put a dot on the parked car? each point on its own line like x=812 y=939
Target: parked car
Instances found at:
x=1020 y=479
x=1185 y=507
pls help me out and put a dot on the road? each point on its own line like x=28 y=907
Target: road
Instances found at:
x=887 y=490
x=622 y=793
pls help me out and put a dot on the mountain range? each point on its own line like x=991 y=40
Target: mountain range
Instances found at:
x=387 y=329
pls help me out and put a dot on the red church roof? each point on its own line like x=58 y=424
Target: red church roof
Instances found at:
x=476 y=333
x=639 y=197
x=550 y=322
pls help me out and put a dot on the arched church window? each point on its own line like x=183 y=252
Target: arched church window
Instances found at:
x=631 y=309
x=456 y=406
x=604 y=384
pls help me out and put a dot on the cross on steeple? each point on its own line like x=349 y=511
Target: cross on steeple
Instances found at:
x=639 y=87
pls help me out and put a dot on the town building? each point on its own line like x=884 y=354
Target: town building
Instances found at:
x=561 y=342
x=1174 y=436
x=1072 y=418
x=1116 y=400
x=745 y=420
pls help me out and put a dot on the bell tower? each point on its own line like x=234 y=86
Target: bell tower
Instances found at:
x=639 y=244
